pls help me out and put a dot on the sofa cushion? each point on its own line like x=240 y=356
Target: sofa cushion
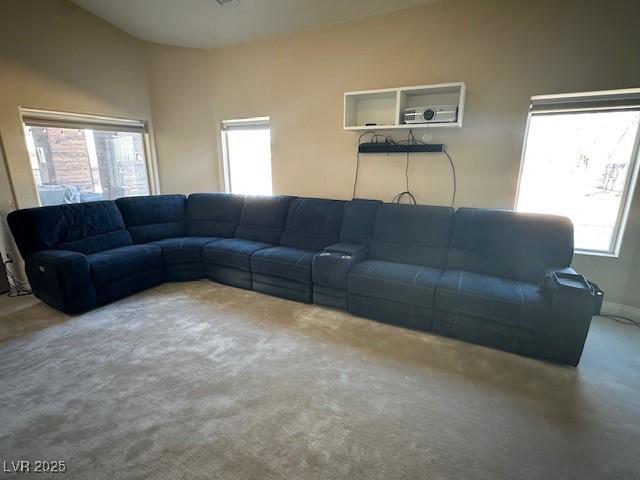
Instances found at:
x=398 y=282
x=154 y=217
x=312 y=223
x=121 y=262
x=232 y=252
x=502 y=300
x=213 y=214
x=81 y=227
x=508 y=244
x=284 y=262
x=357 y=223
x=412 y=234
x=263 y=218
x=183 y=249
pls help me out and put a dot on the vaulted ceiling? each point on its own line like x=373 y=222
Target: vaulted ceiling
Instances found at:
x=211 y=24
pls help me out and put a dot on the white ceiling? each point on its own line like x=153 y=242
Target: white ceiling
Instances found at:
x=207 y=24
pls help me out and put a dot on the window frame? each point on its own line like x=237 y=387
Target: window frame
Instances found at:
x=61 y=119
x=240 y=124
x=632 y=96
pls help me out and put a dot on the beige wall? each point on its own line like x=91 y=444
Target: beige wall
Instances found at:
x=54 y=55
x=505 y=50
x=184 y=106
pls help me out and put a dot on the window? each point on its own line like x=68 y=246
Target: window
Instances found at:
x=246 y=147
x=78 y=158
x=580 y=160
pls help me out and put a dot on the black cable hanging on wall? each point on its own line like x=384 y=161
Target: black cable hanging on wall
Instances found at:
x=409 y=145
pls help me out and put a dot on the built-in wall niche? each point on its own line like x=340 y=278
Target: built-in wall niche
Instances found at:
x=384 y=109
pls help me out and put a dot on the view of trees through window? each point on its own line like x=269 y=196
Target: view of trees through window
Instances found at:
x=72 y=165
x=578 y=164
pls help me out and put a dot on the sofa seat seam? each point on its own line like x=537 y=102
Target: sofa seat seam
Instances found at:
x=486 y=297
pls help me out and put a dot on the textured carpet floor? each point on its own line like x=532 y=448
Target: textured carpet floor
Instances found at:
x=203 y=381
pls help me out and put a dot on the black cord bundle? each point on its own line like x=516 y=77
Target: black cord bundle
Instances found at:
x=355 y=180
x=18 y=287
x=407 y=192
x=374 y=138
x=453 y=174
x=411 y=140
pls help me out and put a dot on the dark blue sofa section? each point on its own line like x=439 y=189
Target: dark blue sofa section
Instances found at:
x=407 y=253
x=161 y=220
x=490 y=291
x=285 y=271
x=81 y=255
x=153 y=218
x=333 y=264
x=260 y=226
x=213 y=214
x=478 y=275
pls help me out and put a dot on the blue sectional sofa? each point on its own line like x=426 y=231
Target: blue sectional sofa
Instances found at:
x=259 y=226
x=492 y=277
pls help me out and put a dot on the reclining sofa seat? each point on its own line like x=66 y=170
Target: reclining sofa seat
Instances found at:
x=285 y=271
x=407 y=254
x=79 y=256
x=490 y=292
x=331 y=267
x=260 y=225
x=181 y=227
x=214 y=216
x=161 y=220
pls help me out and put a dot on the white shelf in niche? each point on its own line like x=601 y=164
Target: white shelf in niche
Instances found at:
x=385 y=107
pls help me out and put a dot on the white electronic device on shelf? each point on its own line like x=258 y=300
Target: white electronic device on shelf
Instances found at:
x=384 y=109
x=431 y=114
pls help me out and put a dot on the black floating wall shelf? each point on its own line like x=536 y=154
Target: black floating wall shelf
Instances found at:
x=383 y=147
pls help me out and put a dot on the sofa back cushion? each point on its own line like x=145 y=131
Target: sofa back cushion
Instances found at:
x=357 y=224
x=263 y=218
x=507 y=244
x=154 y=217
x=81 y=227
x=213 y=214
x=414 y=234
x=312 y=223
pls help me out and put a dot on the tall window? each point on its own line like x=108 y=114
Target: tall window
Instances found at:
x=76 y=158
x=246 y=146
x=580 y=160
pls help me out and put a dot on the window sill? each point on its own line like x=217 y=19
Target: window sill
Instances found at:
x=588 y=253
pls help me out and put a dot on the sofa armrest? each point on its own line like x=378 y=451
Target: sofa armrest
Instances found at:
x=62 y=279
x=346 y=248
x=573 y=302
x=548 y=272
x=332 y=266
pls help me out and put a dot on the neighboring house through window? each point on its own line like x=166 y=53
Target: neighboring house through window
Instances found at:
x=81 y=158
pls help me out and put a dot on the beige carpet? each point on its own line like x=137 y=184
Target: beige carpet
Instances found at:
x=202 y=381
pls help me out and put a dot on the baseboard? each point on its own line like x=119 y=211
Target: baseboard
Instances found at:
x=609 y=308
